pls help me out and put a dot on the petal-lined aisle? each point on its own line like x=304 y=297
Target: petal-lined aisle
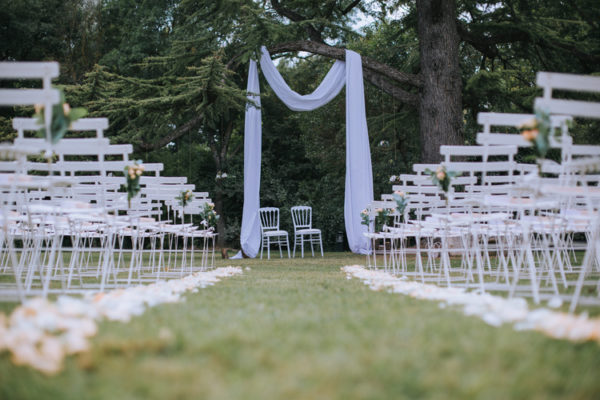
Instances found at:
x=297 y=329
x=41 y=333
x=493 y=310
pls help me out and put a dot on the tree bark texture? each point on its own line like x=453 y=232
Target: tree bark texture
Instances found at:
x=440 y=106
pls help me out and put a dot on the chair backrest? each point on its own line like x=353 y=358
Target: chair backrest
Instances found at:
x=302 y=217
x=269 y=218
x=47 y=96
x=550 y=81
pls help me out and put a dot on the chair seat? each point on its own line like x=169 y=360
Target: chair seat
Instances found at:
x=275 y=233
x=308 y=231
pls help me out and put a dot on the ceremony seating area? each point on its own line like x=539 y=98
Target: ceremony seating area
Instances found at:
x=67 y=227
x=503 y=225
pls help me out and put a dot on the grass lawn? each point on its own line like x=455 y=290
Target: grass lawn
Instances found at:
x=300 y=330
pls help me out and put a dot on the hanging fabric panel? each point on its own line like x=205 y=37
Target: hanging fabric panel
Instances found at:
x=331 y=85
x=359 y=177
x=250 y=235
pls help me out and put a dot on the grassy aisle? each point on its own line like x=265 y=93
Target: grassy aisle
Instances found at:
x=301 y=330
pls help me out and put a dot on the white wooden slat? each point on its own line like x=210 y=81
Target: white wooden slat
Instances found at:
x=480 y=166
x=584 y=150
x=416 y=189
x=415 y=178
x=555 y=80
x=28 y=70
x=499 y=139
x=89 y=166
x=144 y=179
x=515 y=139
x=84 y=146
x=10 y=166
x=168 y=189
x=572 y=107
x=82 y=124
x=420 y=168
x=502 y=119
x=514 y=120
x=22 y=97
x=74 y=147
x=174 y=180
x=500 y=179
x=477 y=150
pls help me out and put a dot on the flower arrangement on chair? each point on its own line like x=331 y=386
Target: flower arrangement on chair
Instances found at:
x=209 y=216
x=132 y=182
x=365 y=218
x=537 y=131
x=442 y=178
x=381 y=218
x=185 y=197
x=401 y=202
x=62 y=118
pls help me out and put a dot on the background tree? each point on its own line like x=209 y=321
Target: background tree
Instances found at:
x=170 y=75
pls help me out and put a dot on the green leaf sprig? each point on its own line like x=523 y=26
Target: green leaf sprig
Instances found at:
x=185 y=197
x=62 y=118
x=132 y=180
x=537 y=131
x=442 y=177
x=401 y=201
x=209 y=216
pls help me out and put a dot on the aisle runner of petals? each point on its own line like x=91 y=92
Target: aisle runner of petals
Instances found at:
x=41 y=333
x=493 y=310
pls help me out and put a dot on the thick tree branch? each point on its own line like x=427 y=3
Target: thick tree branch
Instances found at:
x=487 y=48
x=177 y=133
x=340 y=54
x=487 y=44
x=313 y=33
x=350 y=7
x=391 y=89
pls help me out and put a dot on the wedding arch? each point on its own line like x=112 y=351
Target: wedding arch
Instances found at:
x=359 y=176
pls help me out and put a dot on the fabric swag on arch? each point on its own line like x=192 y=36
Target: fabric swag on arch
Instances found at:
x=359 y=176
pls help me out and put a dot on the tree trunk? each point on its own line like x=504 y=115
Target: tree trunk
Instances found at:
x=440 y=108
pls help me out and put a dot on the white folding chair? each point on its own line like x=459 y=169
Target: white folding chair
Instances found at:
x=303 y=230
x=270 y=232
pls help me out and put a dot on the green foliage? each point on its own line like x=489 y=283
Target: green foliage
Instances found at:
x=170 y=74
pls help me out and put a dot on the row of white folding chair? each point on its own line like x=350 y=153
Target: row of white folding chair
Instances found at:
x=569 y=151
x=109 y=197
x=567 y=84
x=473 y=167
x=423 y=199
x=492 y=135
x=189 y=233
x=48 y=96
x=97 y=147
x=509 y=176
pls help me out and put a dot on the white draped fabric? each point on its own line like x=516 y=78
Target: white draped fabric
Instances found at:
x=359 y=176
